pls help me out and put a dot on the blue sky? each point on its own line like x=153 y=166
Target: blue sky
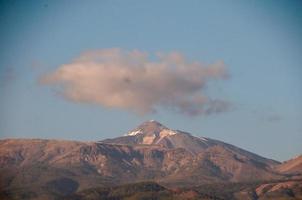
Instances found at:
x=259 y=42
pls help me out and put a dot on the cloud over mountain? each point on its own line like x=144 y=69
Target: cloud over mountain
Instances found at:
x=136 y=81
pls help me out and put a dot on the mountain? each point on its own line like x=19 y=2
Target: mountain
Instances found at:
x=50 y=169
x=210 y=158
x=153 y=133
x=292 y=166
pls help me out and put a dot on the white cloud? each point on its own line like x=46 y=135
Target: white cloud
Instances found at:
x=132 y=80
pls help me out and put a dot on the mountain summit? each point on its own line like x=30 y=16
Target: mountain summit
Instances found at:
x=149 y=127
x=151 y=132
x=154 y=133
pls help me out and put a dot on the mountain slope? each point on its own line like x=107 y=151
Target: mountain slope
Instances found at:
x=151 y=152
x=154 y=133
x=231 y=162
x=292 y=166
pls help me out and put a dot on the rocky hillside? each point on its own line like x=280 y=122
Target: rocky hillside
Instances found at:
x=292 y=166
x=31 y=168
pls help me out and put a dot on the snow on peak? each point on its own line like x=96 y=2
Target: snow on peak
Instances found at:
x=133 y=133
x=164 y=133
x=203 y=139
x=149 y=139
x=167 y=132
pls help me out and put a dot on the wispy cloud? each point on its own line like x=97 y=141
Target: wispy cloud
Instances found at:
x=136 y=81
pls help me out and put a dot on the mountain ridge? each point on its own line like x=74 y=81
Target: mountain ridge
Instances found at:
x=143 y=135
x=170 y=157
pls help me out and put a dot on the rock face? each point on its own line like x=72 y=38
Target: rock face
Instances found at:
x=151 y=152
